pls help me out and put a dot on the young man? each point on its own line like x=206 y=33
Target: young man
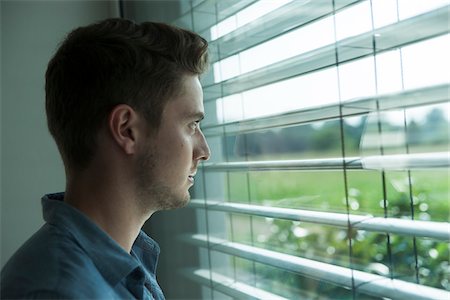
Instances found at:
x=123 y=104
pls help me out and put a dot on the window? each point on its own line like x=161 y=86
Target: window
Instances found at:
x=329 y=126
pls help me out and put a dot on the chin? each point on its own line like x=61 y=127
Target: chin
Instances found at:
x=175 y=201
x=163 y=198
x=184 y=201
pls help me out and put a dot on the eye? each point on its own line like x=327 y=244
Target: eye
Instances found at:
x=195 y=125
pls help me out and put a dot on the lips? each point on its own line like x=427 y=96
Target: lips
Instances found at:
x=191 y=176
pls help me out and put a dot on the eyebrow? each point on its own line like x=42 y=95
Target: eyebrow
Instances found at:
x=196 y=115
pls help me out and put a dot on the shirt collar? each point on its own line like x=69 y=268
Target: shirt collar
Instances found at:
x=112 y=261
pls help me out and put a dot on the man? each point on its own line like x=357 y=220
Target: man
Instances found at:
x=123 y=104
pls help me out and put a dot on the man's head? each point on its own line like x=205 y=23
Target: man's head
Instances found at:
x=167 y=162
x=114 y=62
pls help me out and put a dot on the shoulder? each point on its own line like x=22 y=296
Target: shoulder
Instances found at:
x=51 y=264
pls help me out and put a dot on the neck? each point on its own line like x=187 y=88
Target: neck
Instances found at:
x=109 y=204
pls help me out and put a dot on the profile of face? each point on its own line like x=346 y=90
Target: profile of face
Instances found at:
x=167 y=165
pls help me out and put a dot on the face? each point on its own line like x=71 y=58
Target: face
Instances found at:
x=168 y=163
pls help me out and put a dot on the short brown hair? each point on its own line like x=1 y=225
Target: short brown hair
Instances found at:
x=113 y=62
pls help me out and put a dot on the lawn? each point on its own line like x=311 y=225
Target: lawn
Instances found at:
x=325 y=191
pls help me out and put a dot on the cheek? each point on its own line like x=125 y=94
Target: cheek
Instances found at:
x=177 y=149
x=175 y=144
x=185 y=149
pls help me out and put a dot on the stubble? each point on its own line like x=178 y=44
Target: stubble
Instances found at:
x=153 y=194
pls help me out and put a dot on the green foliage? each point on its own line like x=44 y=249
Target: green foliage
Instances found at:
x=419 y=195
x=371 y=252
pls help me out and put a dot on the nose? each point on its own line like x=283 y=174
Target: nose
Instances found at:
x=202 y=151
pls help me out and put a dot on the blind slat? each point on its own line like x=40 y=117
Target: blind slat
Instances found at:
x=287 y=17
x=363 y=282
x=397 y=35
x=435 y=230
x=228 y=286
x=385 y=162
x=277 y=165
x=205 y=13
x=405 y=99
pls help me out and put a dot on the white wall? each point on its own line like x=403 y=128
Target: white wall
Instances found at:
x=30 y=164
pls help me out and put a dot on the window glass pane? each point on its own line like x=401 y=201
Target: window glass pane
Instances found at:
x=389 y=72
x=419 y=72
x=318 y=34
x=221 y=265
x=356 y=14
x=290 y=189
x=363 y=198
x=295 y=286
x=226 y=68
x=410 y=8
x=430 y=191
x=433 y=263
x=357 y=79
x=284 y=115
x=384 y=12
x=424 y=129
x=245 y=16
x=296 y=93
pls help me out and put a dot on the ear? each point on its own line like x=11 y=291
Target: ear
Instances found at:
x=123 y=126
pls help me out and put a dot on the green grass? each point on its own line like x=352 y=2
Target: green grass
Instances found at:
x=326 y=191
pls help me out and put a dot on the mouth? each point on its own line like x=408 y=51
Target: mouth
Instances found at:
x=191 y=177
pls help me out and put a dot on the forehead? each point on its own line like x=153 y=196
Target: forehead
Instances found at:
x=188 y=103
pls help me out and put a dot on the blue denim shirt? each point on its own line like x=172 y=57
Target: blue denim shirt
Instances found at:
x=70 y=257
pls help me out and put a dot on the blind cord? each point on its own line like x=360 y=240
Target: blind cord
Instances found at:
x=344 y=169
x=410 y=190
x=380 y=132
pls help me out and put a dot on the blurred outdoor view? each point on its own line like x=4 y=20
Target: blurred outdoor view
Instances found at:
x=419 y=195
x=410 y=126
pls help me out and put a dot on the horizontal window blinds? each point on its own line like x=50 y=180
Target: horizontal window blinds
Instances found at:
x=367 y=283
x=329 y=127
x=436 y=230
